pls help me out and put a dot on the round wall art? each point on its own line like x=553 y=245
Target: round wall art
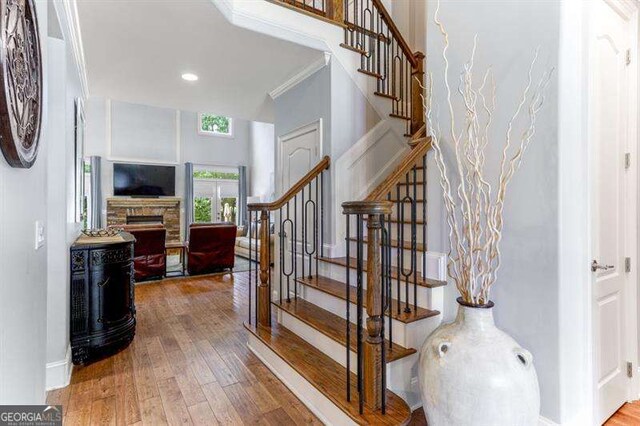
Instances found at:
x=21 y=82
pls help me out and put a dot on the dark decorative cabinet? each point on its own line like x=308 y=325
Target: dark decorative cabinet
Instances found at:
x=103 y=313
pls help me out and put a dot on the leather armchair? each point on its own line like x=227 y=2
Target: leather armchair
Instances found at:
x=210 y=247
x=149 y=254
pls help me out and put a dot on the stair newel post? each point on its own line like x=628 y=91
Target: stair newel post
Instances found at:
x=372 y=346
x=373 y=369
x=335 y=10
x=417 y=81
x=264 y=293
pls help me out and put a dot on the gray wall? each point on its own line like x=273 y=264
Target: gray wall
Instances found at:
x=346 y=115
x=147 y=134
x=303 y=104
x=262 y=164
x=61 y=230
x=23 y=283
x=526 y=291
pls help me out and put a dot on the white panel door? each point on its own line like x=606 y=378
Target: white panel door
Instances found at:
x=609 y=120
x=300 y=151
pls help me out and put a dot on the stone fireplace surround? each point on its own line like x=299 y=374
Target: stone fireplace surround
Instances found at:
x=119 y=208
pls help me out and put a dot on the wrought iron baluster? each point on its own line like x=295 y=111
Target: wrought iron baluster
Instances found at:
x=291 y=235
x=400 y=236
x=316 y=227
x=281 y=250
x=348 y=296
x=424 y=216
x=304 y=240
x=383 y=309
x=321 y=215
x=310 y=252
x=295 y=247
x=359 y=254
x=414 y=238
x=250 y=262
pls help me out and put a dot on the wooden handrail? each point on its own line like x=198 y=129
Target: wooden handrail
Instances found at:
x=287 y=196
x=386 y=17
x=380 y=192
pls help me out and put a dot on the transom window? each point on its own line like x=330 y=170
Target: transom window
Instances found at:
x=215 y=125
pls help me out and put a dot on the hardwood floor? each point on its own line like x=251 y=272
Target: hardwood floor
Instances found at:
x=627 y=415
x=188 y=364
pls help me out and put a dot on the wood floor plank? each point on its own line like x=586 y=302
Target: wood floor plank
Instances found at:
x=161 y=367
x=173 y=402
x=103 y=411
x=189 y=363
x=221 y=371
x=627 y=415
x=249 y=412
x=201 y=414
x=220 y=404
x=152 y=412
x=59 y=397
x=277 y=417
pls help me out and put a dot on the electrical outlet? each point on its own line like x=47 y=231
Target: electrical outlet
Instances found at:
x=39 y=234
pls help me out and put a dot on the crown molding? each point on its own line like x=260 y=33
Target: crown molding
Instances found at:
x=301 y=76
x=67 y=11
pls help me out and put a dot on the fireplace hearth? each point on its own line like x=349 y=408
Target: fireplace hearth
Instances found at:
x=145 y=220
x=165 y=210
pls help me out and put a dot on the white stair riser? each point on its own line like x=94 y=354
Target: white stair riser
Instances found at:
x=421 y=231
x=353 y=246
x=338 y=272
x=399 y=373
x=403 y=334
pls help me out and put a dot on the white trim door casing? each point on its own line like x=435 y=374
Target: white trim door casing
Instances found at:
x=298 y=152
x=612 y=133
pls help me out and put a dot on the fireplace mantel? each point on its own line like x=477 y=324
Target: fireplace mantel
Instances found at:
x=118 y=208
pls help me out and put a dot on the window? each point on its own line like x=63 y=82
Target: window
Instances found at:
x=215 y=125
x=215 y=190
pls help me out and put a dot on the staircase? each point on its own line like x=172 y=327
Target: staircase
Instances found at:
x=343 y=333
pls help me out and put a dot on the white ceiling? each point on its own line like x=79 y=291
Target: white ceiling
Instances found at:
x=137 y=50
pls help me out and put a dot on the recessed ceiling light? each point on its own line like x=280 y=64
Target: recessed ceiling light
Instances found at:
x=189 y=77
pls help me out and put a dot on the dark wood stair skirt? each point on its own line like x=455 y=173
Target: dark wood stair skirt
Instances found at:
x=334 y=327
x=338 y=289
x=422 y=282
x=327 y=376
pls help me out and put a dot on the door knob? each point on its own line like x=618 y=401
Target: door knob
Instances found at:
x=596 y=266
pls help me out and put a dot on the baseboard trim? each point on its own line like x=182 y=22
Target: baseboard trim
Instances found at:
x=58 y=373
x=543 y=421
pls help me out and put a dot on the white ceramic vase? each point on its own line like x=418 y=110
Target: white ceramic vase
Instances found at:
x=472 y=373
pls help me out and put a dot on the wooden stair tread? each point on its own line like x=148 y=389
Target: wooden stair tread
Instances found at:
x=353 y=48
x=402 y=117
x=411 y=183
x=338 y=289
x=396 y=244
x=334 y=327
x=327 y=376
x=388 y=96
x=370 y=73
x=423 y=282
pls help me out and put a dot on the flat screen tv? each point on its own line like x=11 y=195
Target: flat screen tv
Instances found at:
x=140 y=180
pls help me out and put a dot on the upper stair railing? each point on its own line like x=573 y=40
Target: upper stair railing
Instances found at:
x=385 y=54
x=300 y=229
